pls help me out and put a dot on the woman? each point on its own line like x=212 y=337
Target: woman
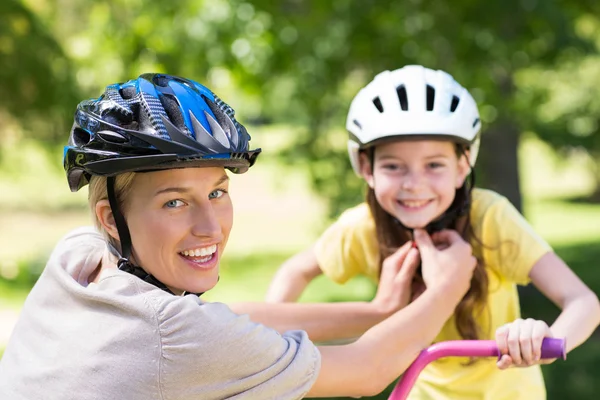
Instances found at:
x=117 y=314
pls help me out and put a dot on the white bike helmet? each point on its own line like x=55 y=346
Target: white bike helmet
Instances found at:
x=412 y=101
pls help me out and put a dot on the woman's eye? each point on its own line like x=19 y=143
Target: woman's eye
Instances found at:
x=435 y=165
x=215 y=194
x=174 y=203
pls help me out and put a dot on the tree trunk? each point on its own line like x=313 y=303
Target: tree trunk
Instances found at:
x=498 y=160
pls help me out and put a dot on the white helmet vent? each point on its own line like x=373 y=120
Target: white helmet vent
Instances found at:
x=401 y=92
x=377 y=103
x=455 y=101
x=430 y=97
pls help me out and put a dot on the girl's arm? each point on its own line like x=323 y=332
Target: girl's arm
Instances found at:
x=580 y=314
x=521 y=340
x=293 y=276
x=383 y=353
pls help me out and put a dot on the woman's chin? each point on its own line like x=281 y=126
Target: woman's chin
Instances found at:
x=203 y=286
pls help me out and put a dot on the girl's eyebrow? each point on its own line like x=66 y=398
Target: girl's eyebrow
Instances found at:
x=440 y=155
x=184 y=189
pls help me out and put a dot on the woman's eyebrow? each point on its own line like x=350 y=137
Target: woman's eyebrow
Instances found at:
x=184 y=189
x=222 y=179
x=173 y=189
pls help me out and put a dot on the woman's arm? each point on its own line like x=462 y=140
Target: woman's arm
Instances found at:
x=384 y=352
x=293 y=276
x=322 y=321
x=333 y=321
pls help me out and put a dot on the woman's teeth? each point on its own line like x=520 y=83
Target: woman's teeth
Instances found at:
x=200 y=251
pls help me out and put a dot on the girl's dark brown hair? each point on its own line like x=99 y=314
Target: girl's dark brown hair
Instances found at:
x=391 y=235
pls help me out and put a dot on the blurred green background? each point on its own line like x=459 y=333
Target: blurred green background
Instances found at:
x=290 y=69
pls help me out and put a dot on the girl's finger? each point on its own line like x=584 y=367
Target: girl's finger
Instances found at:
x=501 y=339
x=539 y=332
x=514 y=349
x=525 y=333
x=504 y=362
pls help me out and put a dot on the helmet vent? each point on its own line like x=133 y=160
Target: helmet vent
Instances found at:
x=112 y=137
x=402 y=97
x=355 y=122
x=430 y=97
x=128 y=92
x=377 y=103
x=173 y=111
x=160 y=80
x=454 y=104
x=80 y=137
x=475 y=122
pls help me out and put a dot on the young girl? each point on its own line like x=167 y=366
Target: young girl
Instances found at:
x=414 y=136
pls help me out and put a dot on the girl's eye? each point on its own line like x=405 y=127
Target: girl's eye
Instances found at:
x=435 y=165
x=215 y=194
x=174 y=203
x=390 y=167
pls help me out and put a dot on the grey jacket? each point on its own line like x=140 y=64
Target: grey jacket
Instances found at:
x=122 y=338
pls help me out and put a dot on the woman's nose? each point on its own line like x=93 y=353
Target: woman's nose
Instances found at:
x=206 y=222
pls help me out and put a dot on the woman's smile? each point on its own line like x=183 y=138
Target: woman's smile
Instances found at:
x=204 y=258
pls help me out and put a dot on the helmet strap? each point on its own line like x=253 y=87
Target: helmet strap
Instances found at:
x=124 y=236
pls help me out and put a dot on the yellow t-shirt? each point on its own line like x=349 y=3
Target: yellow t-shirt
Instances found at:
x=511 y=248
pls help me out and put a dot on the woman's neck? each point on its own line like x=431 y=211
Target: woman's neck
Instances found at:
x=108 y=261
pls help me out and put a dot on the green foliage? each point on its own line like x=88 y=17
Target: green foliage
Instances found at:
x=37 y=77
x=301 y=62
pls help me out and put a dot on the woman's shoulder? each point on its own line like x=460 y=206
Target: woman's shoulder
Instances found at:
x=84 y=238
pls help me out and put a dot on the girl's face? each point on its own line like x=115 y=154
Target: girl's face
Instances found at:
x=416 y=180
x=179 y=221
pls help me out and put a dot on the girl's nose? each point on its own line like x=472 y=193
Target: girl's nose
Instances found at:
x=410 y=181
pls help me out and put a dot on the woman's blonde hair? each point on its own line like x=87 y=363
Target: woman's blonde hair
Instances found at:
x=98 y=192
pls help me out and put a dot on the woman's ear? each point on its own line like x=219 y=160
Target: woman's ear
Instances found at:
x=106 y=218
x=463 y=169
x=366 y=171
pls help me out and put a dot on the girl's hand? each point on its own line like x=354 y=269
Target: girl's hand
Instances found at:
x=520 y=343
x=397 y=271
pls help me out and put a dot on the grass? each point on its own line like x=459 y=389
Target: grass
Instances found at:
x=276 y=216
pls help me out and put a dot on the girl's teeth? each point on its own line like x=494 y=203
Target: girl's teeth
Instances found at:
x=414 y=204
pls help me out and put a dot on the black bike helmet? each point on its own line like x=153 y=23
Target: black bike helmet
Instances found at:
x=154 y=122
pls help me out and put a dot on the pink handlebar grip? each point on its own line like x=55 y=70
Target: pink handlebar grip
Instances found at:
x=551 y=348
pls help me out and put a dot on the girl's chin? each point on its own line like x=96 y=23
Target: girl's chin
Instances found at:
x=413 y=224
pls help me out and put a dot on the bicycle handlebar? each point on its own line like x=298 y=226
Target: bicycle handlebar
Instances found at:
x=551 y=348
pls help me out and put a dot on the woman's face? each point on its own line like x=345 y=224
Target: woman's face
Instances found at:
x=179 y=220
